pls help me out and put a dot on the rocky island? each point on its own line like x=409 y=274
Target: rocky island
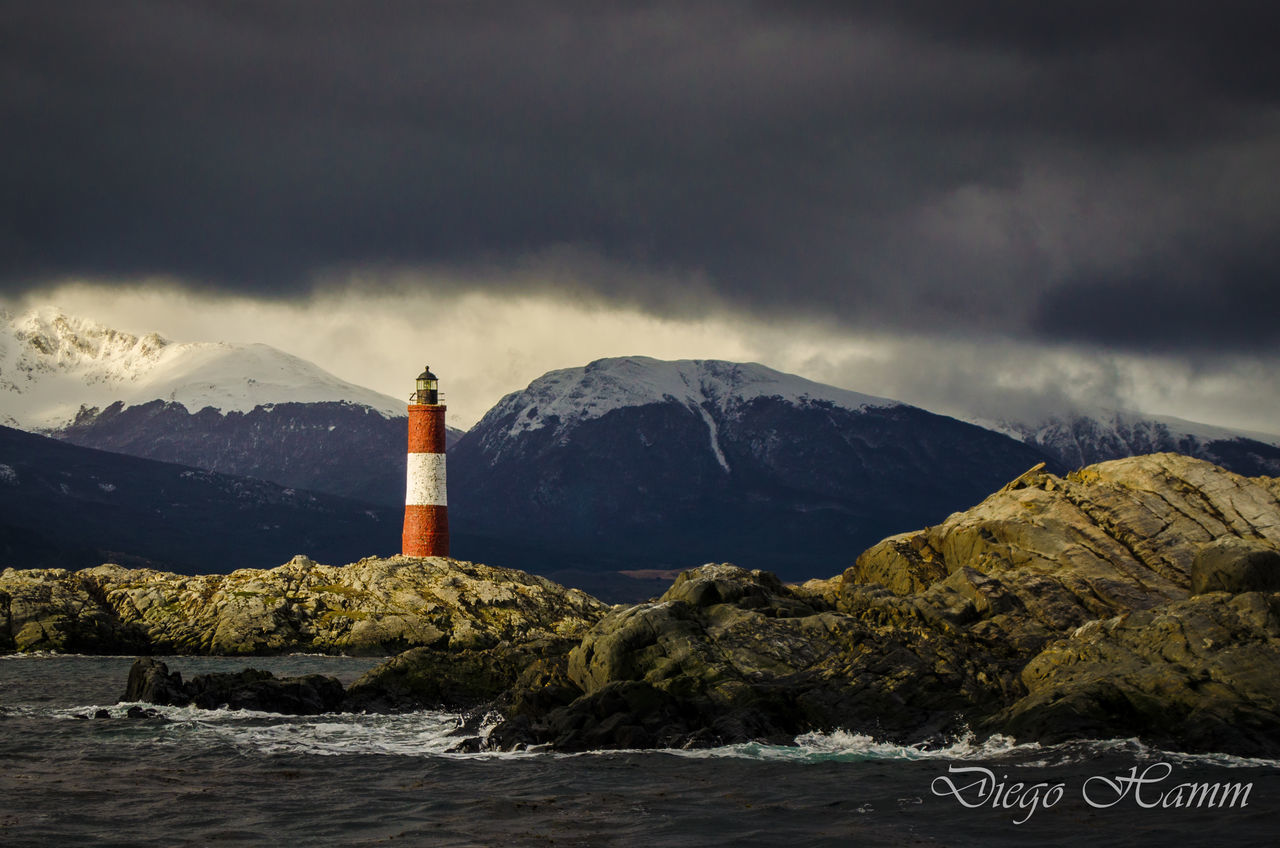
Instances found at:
x=1137 y=597
x=373 y=607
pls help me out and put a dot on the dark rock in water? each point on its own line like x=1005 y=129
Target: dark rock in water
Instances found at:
x=151 y=682
x=139 y=712
x=624 y=714
x=1232 y=564
x=470 y=745
x=251 y=689
x=102 y=714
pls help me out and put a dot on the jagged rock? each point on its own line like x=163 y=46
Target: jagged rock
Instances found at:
x=1197 y=674
x=1117 y=536
x=151 y=681
x=1233 y=565
x=729 y=655
x=622 y=714
x=374 y=606
x=460 y=679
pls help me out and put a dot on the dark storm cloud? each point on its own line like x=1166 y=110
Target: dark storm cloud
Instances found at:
x=995 y=167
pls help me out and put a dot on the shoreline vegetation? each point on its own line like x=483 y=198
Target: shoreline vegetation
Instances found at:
x=1133 y=598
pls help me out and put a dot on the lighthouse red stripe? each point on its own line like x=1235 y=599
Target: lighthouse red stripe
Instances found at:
x=426 y=428
x=426 y=530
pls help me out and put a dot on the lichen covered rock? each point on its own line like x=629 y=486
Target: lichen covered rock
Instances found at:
x=1117 y=536
x=1231 y=564
x=374 y=606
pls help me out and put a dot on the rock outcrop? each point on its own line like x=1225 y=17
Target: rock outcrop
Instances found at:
x=1230 y=564
x=1198 y=674
x=1061 y=551
x=729 y=655
x=151 y=681
x=374 y=606
x=1058 y=608
x=454 y=679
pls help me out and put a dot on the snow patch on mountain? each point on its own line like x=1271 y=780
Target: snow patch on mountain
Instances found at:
x=715 y=438
x=52 y=364
x=570 y=396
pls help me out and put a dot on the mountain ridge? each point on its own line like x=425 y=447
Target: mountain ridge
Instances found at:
x=1088 y=436
x=52 y=365
x=248 y=410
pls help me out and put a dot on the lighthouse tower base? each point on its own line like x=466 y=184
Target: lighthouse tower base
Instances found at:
x=426 y=510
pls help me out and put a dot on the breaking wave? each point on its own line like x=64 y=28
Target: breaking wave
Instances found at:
x=436 y=733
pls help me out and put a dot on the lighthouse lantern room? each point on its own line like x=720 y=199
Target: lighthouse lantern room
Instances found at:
x=428 y=388
x=426 y=511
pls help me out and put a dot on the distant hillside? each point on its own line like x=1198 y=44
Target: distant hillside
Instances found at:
x=68 y=506
x=341 y=449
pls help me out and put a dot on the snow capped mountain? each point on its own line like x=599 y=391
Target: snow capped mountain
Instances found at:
x=1084 y=437
x=573 y=395
x=247 y=410
x=563 y=400
x=52 y=364
x=638 y=463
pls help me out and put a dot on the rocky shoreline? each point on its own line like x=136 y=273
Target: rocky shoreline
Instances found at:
x=1139 y=597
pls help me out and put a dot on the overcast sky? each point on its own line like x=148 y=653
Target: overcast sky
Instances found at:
x=997 y=208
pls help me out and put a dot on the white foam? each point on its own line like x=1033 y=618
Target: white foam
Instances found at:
x=421 y=733
x=844 y=745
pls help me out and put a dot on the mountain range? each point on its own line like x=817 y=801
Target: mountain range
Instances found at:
x=1083 y=438
x=634 y=463
x=626 y=464
x=248 y=410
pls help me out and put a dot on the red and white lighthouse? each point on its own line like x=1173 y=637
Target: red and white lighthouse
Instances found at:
x=426 y=511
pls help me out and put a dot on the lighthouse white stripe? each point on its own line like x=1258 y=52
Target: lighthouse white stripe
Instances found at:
x=425 y=485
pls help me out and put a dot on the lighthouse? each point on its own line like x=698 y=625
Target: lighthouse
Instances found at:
x=426 y=511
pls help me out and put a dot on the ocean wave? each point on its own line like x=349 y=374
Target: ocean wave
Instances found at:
x=420 y=733
x=59 y=655
x=435 y=733
x=840 y=745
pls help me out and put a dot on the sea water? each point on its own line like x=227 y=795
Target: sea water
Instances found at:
x=221 y=777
